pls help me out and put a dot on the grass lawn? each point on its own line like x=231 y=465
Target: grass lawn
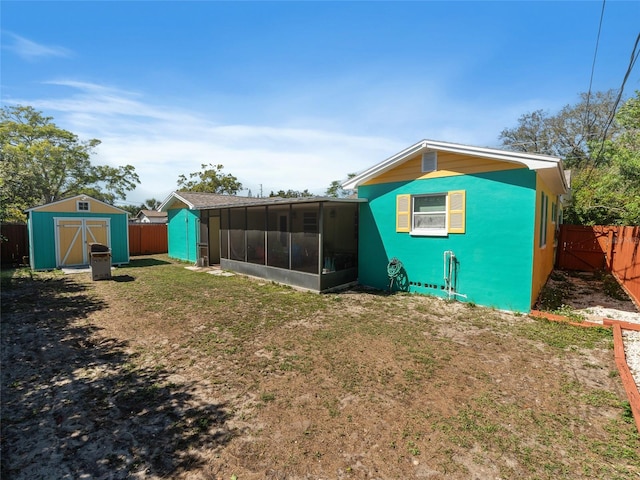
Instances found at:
x=163 y=372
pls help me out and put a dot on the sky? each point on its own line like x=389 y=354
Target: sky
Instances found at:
x=296 y=94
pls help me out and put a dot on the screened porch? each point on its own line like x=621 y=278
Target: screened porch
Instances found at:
x=309 y=242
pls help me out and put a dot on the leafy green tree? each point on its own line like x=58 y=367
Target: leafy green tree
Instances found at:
x=211 y=180
x=609 y=193
x=150 y=204
x=601 y=148
x=131 y=209
x=335 y=188
x=291 y=193
x=570 y=133
x=42 y=163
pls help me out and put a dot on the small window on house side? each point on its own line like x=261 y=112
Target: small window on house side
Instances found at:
x=430 y=214
x=544 y=204
x=429 y=162
x=83 y=206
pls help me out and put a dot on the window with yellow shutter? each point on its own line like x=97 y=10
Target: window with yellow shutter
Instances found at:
x=431 y=214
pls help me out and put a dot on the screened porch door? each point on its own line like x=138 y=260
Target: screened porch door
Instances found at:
x=214 y=240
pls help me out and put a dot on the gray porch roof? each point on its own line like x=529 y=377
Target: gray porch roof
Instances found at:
x=207 y=201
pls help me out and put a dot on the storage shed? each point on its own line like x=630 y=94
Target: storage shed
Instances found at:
x=60 y=232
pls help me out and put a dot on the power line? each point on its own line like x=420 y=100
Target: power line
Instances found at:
x=593 y=64
x=632 y=62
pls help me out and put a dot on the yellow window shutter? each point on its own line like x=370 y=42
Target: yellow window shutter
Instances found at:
x=457 y=211
x=403 y=213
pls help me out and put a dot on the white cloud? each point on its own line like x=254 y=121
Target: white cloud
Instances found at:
x=31 y=50
x=163 y=142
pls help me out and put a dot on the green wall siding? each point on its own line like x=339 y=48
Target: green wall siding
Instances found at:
x=42 y=243
x=494 y=254
x=182 y=234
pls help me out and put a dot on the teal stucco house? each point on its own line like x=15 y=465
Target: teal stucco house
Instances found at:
x=456 y=221
x=470 y=223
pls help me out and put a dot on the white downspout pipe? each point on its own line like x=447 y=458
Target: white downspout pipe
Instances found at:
x=449 y=259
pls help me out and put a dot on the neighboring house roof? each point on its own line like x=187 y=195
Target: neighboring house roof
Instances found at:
x=152 y=214
x=549 y=168
x=81 y=198
x=204 y=201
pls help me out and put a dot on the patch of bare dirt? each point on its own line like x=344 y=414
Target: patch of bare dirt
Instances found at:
x=95 y=387
x=593 y=295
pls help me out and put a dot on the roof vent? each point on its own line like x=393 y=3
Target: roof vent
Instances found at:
x=429 y=161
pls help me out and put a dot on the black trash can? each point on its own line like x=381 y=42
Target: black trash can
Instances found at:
x=100 y=261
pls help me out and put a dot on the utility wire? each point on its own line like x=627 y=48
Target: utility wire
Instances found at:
x=632 y=62
x=593 y=64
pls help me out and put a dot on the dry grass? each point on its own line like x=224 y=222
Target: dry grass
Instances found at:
x=188 y=375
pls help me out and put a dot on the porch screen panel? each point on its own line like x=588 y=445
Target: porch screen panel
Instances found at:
x=340 y=237
x=224 y=233
x=256 y=220
x=237 y=223
x=305 y=234
x=278 y=236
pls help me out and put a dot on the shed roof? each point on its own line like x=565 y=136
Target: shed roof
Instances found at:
x=82 y=198
x=549 y=168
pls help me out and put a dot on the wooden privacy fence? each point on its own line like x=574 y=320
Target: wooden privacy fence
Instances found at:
x=144 y=239
x=616 y=249
x=14 y=243
x=147 y=238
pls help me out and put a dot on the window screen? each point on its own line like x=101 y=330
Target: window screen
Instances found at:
x=430 y=212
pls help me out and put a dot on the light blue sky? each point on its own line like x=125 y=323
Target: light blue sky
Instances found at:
x=297 y=94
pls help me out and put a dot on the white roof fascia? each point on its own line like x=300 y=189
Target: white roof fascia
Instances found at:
x=530 y=160
x=554 y=178
x=169 y=200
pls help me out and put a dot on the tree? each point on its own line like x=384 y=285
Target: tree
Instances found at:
x=150 y=204
x=211 y=180
x=133 y=210
x=599 y=145
x=609 y=193
x=291 y=193
x=41 y=163
x=335 y=188
x=569 y=133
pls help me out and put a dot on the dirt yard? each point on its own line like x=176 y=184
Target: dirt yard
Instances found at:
x=168 y=373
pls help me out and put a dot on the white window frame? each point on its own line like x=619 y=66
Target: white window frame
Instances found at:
x=83 y=202
x=544 y=219
x=430 y=232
